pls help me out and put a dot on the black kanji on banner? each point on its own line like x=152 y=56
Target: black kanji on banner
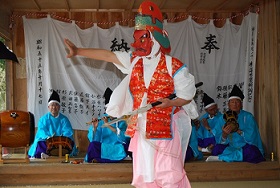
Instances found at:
x=210 y=44
x=119 y=47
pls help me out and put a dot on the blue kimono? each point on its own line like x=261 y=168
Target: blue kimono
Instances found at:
x=107 y=146
x=49 y=126
x=245 y=147
x=192 y=152
x=205 y=137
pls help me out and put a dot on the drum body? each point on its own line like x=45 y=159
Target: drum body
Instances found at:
x=54 y=142
x=16 y=128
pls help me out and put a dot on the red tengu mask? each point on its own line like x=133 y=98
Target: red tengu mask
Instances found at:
x=142 y=43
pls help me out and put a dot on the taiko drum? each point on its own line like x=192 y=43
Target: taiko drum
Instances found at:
x=16 y=128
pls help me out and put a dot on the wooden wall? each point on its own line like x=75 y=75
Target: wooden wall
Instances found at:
x=267 y=76
x=267 y=73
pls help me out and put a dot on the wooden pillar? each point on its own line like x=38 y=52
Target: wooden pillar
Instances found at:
x=1 y=160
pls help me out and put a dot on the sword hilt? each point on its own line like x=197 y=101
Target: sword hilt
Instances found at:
x=172 y=96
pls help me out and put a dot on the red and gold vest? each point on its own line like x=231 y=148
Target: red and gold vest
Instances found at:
x=161 y=86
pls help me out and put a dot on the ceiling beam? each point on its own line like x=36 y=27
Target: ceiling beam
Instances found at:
x=5 y=6
x=221 y=4
x=124 y=10
x=191 y=4
x=98 y=5
x=37 y=5
x=130 y=5
x=67 y=5
x=162 y=3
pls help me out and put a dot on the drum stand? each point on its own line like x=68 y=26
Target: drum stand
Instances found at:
x=60 y=151
x=24 y=159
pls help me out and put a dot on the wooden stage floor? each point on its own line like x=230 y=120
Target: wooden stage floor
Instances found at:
x=53 y=171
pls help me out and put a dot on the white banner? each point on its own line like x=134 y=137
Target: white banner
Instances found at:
x=218 y=57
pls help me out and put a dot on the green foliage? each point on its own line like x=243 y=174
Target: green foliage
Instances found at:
x=2 y=61
x=2 y=83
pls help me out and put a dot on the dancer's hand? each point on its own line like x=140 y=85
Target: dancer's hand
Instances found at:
x=165 y=102
x=94 y=122
x=72 y=49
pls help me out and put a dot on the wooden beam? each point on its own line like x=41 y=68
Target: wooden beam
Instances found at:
x=221 y=5
x=37 y=5
x=192 y=4
x=67 y=4
x=98 y=5
x=130 y=5
x=132 y=10
x=162 y=3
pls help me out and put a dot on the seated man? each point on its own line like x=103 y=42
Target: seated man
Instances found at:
x=52 y=124
x=108 y=143
x=241 y=142
x=206 y=139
